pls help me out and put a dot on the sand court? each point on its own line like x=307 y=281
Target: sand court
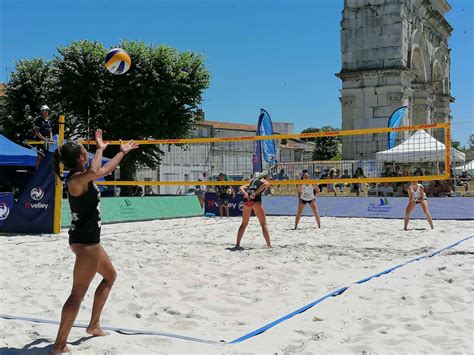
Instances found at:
x=180 y=276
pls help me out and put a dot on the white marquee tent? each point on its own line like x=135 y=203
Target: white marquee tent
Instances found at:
x=469 y=167
x=420 y=147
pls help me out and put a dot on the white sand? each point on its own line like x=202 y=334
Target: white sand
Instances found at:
x=176 y=276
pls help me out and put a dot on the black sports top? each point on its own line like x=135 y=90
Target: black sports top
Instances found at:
x=44 y=126
x=222 y=190
x=85 y=211
x=254 y=186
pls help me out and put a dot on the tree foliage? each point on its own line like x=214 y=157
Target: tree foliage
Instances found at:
x=157 y=98
x=326 y=148
x=26 y=91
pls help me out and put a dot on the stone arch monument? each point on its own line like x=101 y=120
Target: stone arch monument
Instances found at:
x=394 y=53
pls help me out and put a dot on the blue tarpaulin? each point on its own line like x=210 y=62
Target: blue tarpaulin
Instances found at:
x=12 y=154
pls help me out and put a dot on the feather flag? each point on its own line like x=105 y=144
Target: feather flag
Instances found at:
x=267 y=148
x=395 y=120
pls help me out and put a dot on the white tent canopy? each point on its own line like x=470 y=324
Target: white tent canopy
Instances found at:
x=420 y=147
x=469 y=167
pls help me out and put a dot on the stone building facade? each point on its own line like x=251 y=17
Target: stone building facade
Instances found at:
x=394 y=53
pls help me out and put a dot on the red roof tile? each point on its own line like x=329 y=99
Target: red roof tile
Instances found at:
x=228 y=125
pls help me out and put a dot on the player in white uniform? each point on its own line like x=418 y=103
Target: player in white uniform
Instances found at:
x=306 y=195
x=417 y=195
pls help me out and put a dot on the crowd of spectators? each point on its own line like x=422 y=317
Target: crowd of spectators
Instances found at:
x=387 y=189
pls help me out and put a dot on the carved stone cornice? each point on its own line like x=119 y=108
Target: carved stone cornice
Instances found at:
x=437 y=20
x=360 y=74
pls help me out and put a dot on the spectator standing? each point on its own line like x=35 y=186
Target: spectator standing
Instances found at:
x=200 y=192
x=387 y=172
x=359 y=174
x=324 y=175
x=331 y=187
x=223 y=194
x=340 y=186
x=418 y=171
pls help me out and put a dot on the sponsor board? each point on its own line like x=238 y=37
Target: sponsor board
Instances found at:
x=127 y=208
x=454 y=208
x=4 y=211
x=379 y=208
x=37 y=193
x=236 y=205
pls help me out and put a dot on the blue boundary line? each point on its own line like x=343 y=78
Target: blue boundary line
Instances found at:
x=255 y=332
x=337 y=293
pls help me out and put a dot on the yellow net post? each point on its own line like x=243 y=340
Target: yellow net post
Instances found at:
x=447 y=143
x=58 y=191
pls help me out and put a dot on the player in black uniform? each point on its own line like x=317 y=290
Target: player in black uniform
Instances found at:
x=253 y=202
x=84 y=234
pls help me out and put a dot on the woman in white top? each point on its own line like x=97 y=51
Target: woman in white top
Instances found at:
x=417 y=195
x=306 y=195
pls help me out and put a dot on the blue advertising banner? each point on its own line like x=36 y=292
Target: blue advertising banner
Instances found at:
x=455 y=208
x=6 y=204
x=34 y=210
x=265 y=128
x=236 y=205
x=257 y=149
x=395 y=120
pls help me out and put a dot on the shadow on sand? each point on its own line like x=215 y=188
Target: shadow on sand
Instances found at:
x=31 y=349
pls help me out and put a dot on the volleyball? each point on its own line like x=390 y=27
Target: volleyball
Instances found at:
x=117 y=61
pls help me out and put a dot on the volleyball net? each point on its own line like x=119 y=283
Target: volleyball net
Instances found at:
x=345 y=156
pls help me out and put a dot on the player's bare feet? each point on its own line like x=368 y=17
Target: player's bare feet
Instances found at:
x=95 y=331
x=60 y=349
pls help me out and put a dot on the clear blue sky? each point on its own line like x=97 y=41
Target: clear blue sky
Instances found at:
x=277 y=54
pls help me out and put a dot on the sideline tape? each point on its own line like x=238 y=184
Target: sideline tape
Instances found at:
x=118 y=330
x=337 y=293
x=255 y=332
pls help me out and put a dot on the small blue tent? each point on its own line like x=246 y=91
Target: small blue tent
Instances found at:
x=12 y=154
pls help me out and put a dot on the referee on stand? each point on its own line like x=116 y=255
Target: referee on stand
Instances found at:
x=43 y=132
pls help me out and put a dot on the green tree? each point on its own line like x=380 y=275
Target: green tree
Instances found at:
x=326 y=148
x=157 y=98
x=26 y=92
x=456 y=145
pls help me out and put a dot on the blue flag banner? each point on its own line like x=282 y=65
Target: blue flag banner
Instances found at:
x=395 y=120
x=257 y=149
x=266 y=129
x=34 y=210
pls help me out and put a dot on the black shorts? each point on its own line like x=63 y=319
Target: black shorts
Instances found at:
x=89 y=238
x=306 y=202
x=251 y=202
x=223 y=201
